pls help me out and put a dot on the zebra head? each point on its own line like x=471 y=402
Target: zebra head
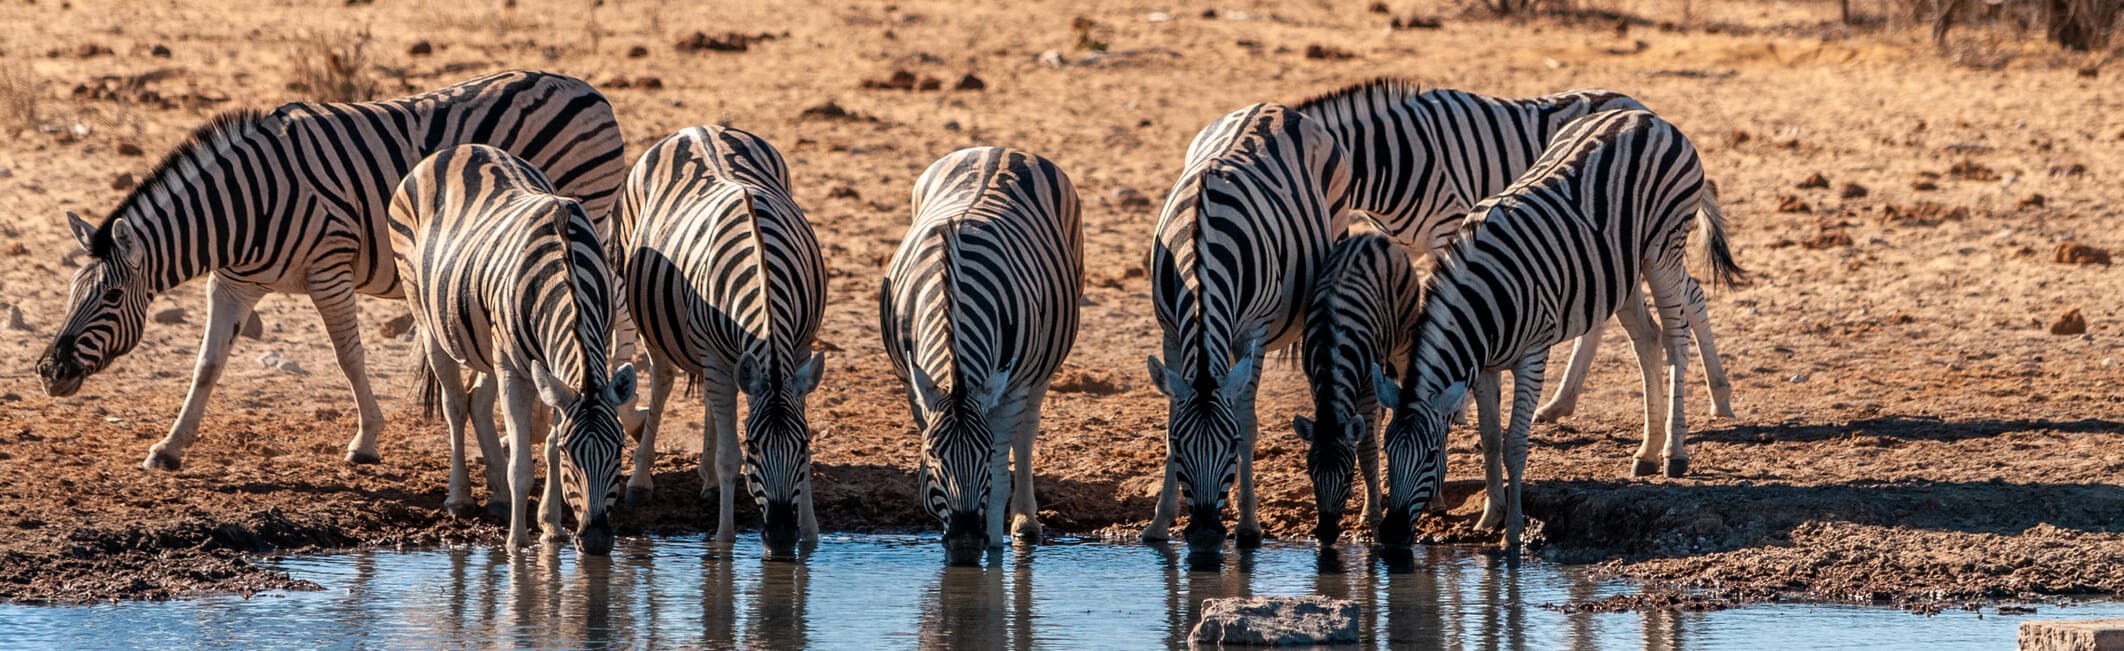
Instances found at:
x=108 y=299
x=1343 y=409
x=589 y=436
x=1415 y=454
x=777 y=446
x=960 y=457
x=1203 y=431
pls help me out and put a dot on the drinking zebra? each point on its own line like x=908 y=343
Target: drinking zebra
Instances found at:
x=508 y=279
x=977 y=310
x=728 y=286
x=293 y=201
x=1357 y=320
x=1239 y=241
x=1614 y=198
x=1421 y=159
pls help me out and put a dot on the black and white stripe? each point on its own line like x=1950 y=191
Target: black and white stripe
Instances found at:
x=1239 y=242
x=728 y=286
x=1613 y=200
x=977 y=310
x=293 y=201
x=509 y=280
x=1358 y=321
x=1420 y=159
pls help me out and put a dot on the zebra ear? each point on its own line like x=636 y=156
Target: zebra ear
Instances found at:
x=1168 y=382
x=750 y=377
x=127 y=246
x=991 y=390
x=1448 y=401
x=1389 y=393
x=807 y=375
x=923 y=386
x=552 y=390
x=1304 y=427
x=1239 y=377
x=84 y=232
x=620 y=388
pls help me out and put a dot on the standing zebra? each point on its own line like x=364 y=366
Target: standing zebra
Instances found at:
x=1358 y=320
x=1239 y=241
x=1421 y=159
x=1613 y=200
x=728 y=286
x=509 y=279
x=978 y=309
x=293 y=201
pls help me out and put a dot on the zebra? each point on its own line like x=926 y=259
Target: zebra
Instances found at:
x=1358 y=319
x=293 y=201
x=728 y=286
x=509 y=280
x=1239 y=240
x=1613 y=199
x=1421 y=159
x=977 y=310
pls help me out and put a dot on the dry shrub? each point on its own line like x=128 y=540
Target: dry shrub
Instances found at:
x=333 y=67
x=19 y=97
x=2081 y=25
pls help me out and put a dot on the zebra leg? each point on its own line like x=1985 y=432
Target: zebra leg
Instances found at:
x=519 y=401
x=1526 y=390
x=1574 y=380
x=1160 y=528
x=1026 y=508
x=720 y=439
x=997 y=511
x=491 y=453
x=1488 y=384
x=1248 y=534
x=228 y=304
x=641 y=486
x=1368 y=468
x=1667 y=291
x=452 y=389
x=625 y=342
x=550 y=502
x=1644 y=339
x=334 y=299
x=1714 y=368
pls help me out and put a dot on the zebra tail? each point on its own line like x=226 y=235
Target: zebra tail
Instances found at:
x=430 y=388
x=1725 y=272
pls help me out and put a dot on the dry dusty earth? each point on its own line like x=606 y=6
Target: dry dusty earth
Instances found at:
x=1910 y=430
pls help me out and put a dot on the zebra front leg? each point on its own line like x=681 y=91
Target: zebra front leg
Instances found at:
x=1574 y=380
x=1667 y=293
x=551 y=504
x=1714 y=368
x=721 y=439
x=1368 y=468
x=1645 y=341
x=807 y=520
x=625 y=343
x=451 y=389
x=997 y=511
x=1488 y=384
x=228 y=304
x=1526 y=390
x=641 y=486
x=1025 y=524
x=334 y=299
x=494 y=457
x=1160 y=528
x=1247 y=535
x=519 y=399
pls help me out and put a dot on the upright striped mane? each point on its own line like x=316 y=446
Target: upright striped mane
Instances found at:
x=1359 y=95
x=561 y=219
x=217 y=131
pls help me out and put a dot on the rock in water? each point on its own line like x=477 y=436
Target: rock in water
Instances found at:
x=2073 y=635
x=1277 y=621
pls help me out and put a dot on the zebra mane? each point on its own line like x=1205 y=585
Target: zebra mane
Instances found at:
x=220 y=129
x=1361 y=93
x=561 y=219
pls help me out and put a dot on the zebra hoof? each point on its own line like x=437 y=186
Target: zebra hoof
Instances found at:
x=1155 y=535
x=637 y=495
x=1643 y=468
x=461 y=509
x=1247 y=539
x=1026 y=530
x=361 y=458
x=163 y=461
x=1551 y=414
x=1677 y=467
x=498 y=511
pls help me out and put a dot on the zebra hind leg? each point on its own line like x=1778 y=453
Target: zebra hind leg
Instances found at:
x=1025 y=525
x=334 y=300
x=1668 y=287
x=1487 y=386
x=1714 y=368
x=485 y=388
x=1645 y=341
x=451 y=389
x=1565 y=401
x=228 y=303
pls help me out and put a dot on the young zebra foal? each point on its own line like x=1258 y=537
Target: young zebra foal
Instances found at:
x=1358 y=321
x=1239 y=241
x=1613 y=199
x=727 y=285
x=509 y=279
x=978 y=309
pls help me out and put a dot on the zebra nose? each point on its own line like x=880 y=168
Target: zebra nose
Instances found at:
x=965 y=538
x=779 y=531
x=1330 y=527
x=1205 y=529
x=1396 y=530
x=596 y=537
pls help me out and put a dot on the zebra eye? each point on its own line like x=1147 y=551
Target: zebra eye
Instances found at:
x=113 y=294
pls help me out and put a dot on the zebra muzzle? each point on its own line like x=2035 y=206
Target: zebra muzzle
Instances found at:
x=1397 y=529
x=1205 y=529
x=965 y=538
x=596 y=537
x=779 y=532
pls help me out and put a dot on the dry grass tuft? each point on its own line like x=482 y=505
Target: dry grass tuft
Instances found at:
x=333 y=67
x=20 y=94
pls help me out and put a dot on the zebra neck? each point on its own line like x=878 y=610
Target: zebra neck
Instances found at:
x=211 y=210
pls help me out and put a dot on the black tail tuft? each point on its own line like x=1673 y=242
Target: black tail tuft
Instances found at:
x=1724 y=270
x=430 y=388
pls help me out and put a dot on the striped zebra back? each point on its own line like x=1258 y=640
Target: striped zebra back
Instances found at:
x=1358 y=321
x=509 y=277
x=1420 y=159
x=979 y=303
x=724 y=272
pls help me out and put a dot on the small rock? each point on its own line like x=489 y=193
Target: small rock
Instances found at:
x=900 y=80
x=2074 y=169
x=1209 y=13
x=649 y=83
x=1414 y=22
x=14 y=319
x=1130 y=199
x=1813 y=181
x=833 y=111
x=1852 y=191
x=10 y=397
x=1157 y=17
x=1277 y=621
x=844 y=192
x=421 y=49
x=6 y=172
x=2077 y=253
x=637 y=52
x=17 y=249
x=2033 y=200
x=129 y=149
x=1923 y=185
x=1324 y=52
x=1969 y=170
x=275 y=361
x=169 y=316
x=123 y=181
x=1789 y=203
x=2069 y=324
x=91 y=50
x=2016 y=610
x=159 y=51
x=725 y=42
x=970 y=82
x=952 y=125
x=929 y=83
x=1379 y=8
x=398 y=325
x=1797 y=378
x=1051 y=58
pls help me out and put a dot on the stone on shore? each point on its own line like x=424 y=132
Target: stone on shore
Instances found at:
x=2073 y=635
x=1277 y=621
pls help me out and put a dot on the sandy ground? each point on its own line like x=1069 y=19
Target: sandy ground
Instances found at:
x=1909 y=428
